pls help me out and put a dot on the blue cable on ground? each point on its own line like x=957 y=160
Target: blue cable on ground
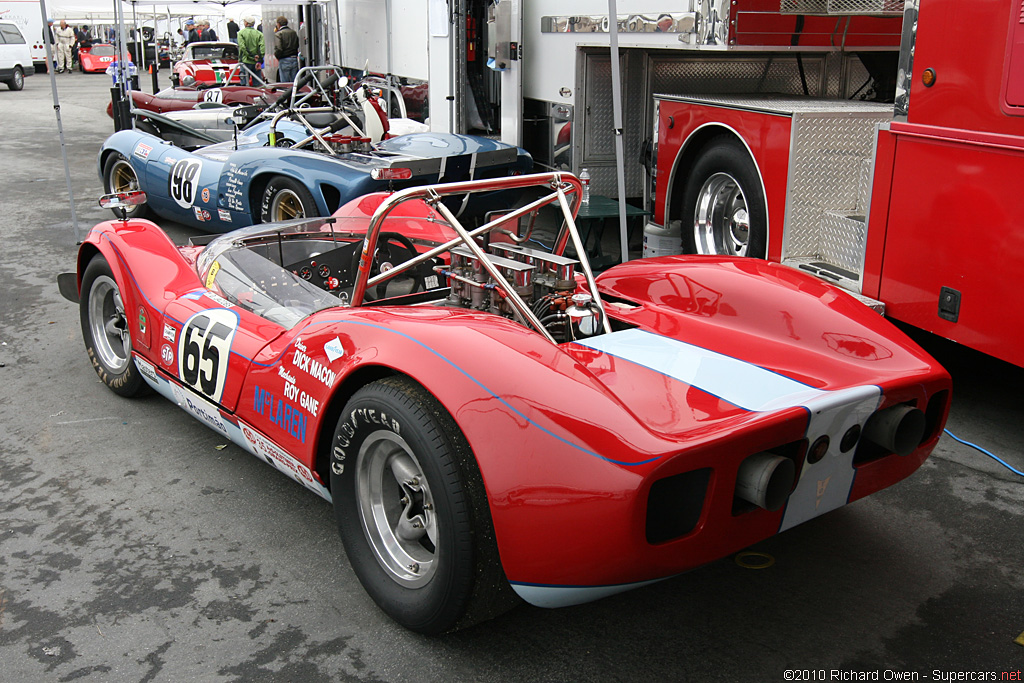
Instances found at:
x=975 y=446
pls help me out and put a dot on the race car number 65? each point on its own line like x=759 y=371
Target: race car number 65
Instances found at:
x=204 y=348
x=183 y=181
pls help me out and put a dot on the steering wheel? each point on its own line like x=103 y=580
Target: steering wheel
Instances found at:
x=393 y=248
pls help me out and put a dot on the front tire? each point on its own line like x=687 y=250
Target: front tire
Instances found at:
x=17 y=81
x=106 y=331
x=723 y=203
x=412 y=511
x=286 y=199
x=119 y=176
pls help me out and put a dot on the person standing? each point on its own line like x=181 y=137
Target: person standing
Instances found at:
x=233 y=30
x=48 y=38
x=206 y=34
x=251 y=48
x=191 y=36
x=65 y=37
x=286 y=49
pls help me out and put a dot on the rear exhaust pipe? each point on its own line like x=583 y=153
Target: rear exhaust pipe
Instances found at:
x=898 y=429
x=765 y=480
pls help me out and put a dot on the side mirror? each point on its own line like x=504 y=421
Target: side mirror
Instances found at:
x=123 y=200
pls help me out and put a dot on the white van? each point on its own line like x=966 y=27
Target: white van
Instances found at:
x=15 y=57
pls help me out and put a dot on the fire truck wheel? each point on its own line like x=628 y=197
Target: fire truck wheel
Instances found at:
x=723 y=205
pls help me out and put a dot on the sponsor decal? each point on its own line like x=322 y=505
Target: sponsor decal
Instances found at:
x=279 y=459
x=204 y=348
x=212 y=275
x=224 y=215
x=142 y=150
x=182 y=182
x=206 y=195
x=334 y=349
x=170 y=334
x=167 y=355
x=293 y=393
x=284 y=415
x=310 y=366
x=142 y=320
x=207 y=413
x=218 y=299
x=198 y=212
x=146 y=368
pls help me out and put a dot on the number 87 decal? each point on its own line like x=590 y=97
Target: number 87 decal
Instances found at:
x=204 y=348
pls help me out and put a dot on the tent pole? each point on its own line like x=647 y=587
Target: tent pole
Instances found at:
x=620 y=170
x=60 y=124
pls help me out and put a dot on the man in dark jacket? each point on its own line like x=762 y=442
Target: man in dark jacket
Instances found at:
x=232 y=31
x=206 y=34
x=191 y=35
x=286 y=49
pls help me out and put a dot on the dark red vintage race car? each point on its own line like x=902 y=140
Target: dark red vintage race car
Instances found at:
x=185 y=97
x=489 y=419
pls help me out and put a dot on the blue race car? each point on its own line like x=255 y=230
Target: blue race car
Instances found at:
x=248 y=180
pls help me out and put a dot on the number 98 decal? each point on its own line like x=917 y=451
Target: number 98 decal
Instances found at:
x=183 y=181
x=204 y=347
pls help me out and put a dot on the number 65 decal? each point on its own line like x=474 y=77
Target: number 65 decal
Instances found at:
x=204 y=347
x=183 y=180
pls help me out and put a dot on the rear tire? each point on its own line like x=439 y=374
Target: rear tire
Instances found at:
x=412 y=510
x=119 y=176
x=723 y=203
x=285 y=199
x=17 y=81
x=106 y=331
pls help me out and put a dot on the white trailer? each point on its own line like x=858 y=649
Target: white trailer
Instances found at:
x=25 y=13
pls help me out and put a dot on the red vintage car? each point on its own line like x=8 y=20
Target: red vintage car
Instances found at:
x=209 y=63
x=491 y=420
x=96 y=58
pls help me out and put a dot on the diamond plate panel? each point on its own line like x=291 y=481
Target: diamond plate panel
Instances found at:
x=842 y=240
x=793 y=106
x=598 y=130
x=729 y=75
x=829 y=180
x=842 y=7
x=598 y=140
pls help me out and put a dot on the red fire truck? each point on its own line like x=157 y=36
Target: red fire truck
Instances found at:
x=912 y=196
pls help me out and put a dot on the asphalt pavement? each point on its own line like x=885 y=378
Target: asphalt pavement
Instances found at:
x=136 y=545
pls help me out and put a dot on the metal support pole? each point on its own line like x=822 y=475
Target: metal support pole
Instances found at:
x=60 y=124
x=620 y=170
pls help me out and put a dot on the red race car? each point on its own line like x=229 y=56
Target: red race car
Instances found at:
x=489 y=419
x=209 y=63
x=97 y=58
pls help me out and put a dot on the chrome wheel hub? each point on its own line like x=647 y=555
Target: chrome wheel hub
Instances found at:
x=721 y=223
x=397 y=509
x=108 y=324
